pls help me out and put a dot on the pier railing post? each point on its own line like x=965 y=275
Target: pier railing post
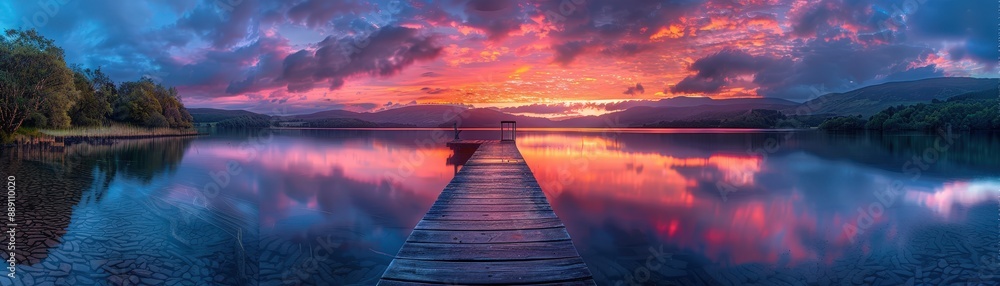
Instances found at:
x=508 y=130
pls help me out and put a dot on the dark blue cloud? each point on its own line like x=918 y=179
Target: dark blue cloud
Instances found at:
x=721 y=69
x=614 y=26
x=637 y=89
x=973 y=22
x=196 y=44
x=816 y=66
x=566 y=53
x=320 y=13
x=383 y=53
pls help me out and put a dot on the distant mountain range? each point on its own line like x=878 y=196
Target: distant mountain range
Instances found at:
x=864 y=101
x=428 y=116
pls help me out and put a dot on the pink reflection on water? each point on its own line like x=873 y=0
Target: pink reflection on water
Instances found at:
x=407 y=168
x=944 y=198
x=337 y=184
x=599 y=181
x=665 y=193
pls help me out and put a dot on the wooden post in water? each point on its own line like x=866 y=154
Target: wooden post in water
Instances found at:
x=508 y=130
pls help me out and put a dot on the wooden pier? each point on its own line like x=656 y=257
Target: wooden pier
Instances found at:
x=491 y=225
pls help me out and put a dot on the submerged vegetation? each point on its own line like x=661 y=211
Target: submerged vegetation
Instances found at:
x=40 y=91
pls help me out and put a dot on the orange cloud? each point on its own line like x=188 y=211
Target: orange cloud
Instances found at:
x=672 y=32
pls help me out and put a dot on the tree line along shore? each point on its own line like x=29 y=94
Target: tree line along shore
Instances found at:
x=43 y=98
x=970 y=111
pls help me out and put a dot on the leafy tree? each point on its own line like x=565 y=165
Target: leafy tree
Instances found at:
x=173 y=111
x=103 y=86
x=843 y=123
x=262 y=121
x=91 y=108
x=36 y=66
x=148 y=104
x=755 y=118
x=137 y=104
x=14 y=106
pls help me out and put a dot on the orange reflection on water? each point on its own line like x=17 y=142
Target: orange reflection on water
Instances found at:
x=560 y=161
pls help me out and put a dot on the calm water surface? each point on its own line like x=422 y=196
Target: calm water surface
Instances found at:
x=644 y=208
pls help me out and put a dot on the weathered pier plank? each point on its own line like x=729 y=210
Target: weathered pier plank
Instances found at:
x=489 y=236
x=564 y=271
x=491 y=225
x=488 y=224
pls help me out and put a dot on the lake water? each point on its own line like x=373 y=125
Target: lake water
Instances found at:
x=644 y=207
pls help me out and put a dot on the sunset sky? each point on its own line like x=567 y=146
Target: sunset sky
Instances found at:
x=553 y=57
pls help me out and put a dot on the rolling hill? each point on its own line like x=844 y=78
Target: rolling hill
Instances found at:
x=418 y=115
x=642 y=115
x=872 y=99
x=486 y=117
x=209 y=115
x=689 y=101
